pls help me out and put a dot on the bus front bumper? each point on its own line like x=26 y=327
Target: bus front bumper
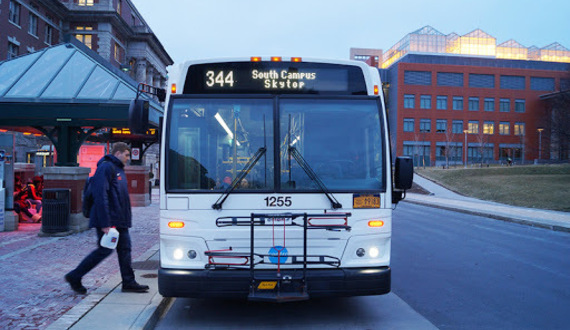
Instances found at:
x=236 y=283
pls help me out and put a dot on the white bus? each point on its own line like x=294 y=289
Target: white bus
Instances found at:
x=276 y=181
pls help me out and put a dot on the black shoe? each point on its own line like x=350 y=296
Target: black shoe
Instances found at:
x=135 y=287
x=75 y=285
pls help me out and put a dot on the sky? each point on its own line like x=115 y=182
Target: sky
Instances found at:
x=199 y=29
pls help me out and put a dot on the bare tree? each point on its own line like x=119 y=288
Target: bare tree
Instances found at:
x=483 y=139
x=449 y=146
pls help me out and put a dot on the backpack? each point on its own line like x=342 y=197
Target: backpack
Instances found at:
x=88 y=199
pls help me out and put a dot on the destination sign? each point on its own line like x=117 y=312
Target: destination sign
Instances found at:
x=274 y=78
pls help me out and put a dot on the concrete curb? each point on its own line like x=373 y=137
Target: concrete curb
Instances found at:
x=147 y=319
x=525 y=222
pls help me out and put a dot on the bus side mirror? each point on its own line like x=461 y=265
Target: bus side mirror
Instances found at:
x=138 y=116
x=404 y=173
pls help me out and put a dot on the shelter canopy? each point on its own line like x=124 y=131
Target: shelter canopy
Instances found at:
x=67 y=92
x=66 y=84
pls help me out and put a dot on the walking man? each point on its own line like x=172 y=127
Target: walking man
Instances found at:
x=111 y=208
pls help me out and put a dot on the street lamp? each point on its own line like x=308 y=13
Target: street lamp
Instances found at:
x=540 y=143
x=465 y=146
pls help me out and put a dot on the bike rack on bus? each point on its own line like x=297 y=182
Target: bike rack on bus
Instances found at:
x=277 y=287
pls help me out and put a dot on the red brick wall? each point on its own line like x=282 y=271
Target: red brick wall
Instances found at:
x=531 y=117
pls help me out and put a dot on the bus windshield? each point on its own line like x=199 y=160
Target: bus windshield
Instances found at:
x=340 y=140
x=212 y=139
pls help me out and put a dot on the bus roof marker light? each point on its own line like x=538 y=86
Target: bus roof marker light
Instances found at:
x=256 y=59
x=275 y=59
x=296 y=59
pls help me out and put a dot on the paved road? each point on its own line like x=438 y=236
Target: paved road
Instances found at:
x=372 y=312
x=471 y=272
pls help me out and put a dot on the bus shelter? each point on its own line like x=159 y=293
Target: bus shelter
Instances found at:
x=66 y=92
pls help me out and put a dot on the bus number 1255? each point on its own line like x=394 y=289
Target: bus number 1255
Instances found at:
x=280 y=201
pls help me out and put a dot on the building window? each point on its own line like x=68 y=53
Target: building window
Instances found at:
x=473 y=104
x=489 y=104
x=14 y=15
x=520 y=106
x=513 y=82
x=519 y=128
x=541 y=84
x=409 y=101
x=457 y=103
x=450 y=79
x=13 y=50
x=33 y=27
x=489 y=128
x=425 y=101
x=117 y=53
x=85 y=2
x=442 y=102
x=417 y=78
x=441 y=126
x=481 y=80
x=505 y=105
x=408 y=124
x=425 y=125
x=119 y=7
x=457 y=126
x=504 y=128
x=48 y=38
x=87 y=39
x=473 y=127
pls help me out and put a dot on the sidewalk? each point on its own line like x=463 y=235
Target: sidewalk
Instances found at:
x=33 y=293
x=446 y=199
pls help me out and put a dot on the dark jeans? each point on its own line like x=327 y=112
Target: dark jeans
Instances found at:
x=99 y=254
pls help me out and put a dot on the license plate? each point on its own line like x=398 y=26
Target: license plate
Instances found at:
x=267 y=285
x=366 y=201
x=278 y=221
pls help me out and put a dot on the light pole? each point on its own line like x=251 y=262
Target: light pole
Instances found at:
x=465 y=146
x=540 y=143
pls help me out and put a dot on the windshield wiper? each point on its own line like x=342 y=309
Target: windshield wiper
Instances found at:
x=242 y=174
x=313 y=176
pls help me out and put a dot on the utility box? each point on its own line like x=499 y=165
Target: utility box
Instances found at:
x=55 y=210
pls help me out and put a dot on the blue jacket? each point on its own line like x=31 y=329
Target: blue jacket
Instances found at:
x=112 y=206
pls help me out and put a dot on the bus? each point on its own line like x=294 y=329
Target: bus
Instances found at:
x=276 y=181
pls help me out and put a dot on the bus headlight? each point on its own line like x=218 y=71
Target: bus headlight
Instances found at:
x=374 y=252
x=360 y=252
x=178 y=254
x=192 y=254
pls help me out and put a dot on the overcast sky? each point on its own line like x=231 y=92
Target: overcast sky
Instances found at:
x=193 y=29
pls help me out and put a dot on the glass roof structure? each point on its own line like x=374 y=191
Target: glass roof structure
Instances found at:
x=475 y=43
x=67 y=83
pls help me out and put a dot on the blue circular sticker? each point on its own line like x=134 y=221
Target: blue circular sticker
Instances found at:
x=278 y=254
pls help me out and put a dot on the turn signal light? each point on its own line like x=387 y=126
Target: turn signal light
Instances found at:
x=256 y=59
x=176 y=224
x=375 y=223
x=173 y=89
x=376 y=90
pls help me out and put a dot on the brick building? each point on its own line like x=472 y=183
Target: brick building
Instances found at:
x=454 y=98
